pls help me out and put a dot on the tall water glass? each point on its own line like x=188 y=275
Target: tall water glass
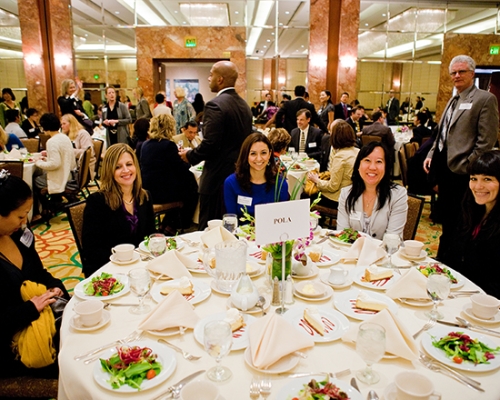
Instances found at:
x=438 y=289
x=230 y=222
x=157 y=244
x=391 y=242
x=218 y=339
x=140 y=284
x=370 y=345
x=230 y=264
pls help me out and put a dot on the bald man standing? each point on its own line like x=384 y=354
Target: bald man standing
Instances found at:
x=227 y=121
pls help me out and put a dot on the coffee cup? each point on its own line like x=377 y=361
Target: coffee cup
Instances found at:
x=214 y=223
x=123 y=252
x=199 y=390
x=310 y=163
x=414 y=386
x=89 y=312
x=338 y=275
x=484 y=306
x=413 y=248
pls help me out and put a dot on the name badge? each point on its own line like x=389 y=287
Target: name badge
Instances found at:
x=465 y=106
x=356 y=215
x=312 y=144
x=104 y=109
x=27 y=237
x=244 y=200
x=291 y=149
x=32 y=130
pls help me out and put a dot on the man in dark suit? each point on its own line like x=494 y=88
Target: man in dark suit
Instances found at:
x=468 y=128
x=263 y=104
x=342 y=110
x=227 y=122
x=379 y=129
x=355 y=120
x=306 y=138
x=286 y=117
x=392 y=109
x=420 y=131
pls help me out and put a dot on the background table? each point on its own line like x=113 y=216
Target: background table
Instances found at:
x=76 y=379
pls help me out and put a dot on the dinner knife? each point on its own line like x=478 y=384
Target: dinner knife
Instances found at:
x=175 y=389
x=472 y=328
x=354 y=384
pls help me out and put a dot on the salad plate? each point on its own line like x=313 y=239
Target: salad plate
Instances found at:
x=358 y=276
x=240 y=337
x=327 y=259
x=166 y=357
x=282 y=365
x=467 y=310
x=291 y=389
x=326 y=295
x=255 y=254
x=345 y=302
x=80 y=288
x=74 y=322
x=144 y=247
x=201 y=291
x=324 y=278
x=460 y=280
x=336 y=240
x=335 y=323
x=135 y=257
x=439 y=354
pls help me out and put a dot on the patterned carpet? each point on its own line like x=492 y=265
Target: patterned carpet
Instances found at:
x=57 y=248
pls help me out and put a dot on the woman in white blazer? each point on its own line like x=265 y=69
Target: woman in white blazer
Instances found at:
x=373 y=204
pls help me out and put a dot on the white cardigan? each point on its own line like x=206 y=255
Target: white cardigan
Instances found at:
x=391 y=218
x=59 y=163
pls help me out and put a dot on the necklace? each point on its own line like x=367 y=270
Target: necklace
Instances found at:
x=368 y=202
x=129 y=202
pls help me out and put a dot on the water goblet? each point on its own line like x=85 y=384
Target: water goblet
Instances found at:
x=218 y=339
x=230 y=222
x=140 y=284
x=370 y=345
x=157 y=244
x=438 y=289
x=391 y=242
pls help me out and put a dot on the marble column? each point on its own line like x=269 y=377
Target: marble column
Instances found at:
x=333 y=48
x=47 y=44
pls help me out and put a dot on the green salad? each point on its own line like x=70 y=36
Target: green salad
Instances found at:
x=348 y=235
x=171 y=243
x=434 y=268
x=103 y=285
x=131 y=366
x=459 y=348
x=323 y=390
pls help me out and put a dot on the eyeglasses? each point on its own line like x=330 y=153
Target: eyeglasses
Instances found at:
x=461 y=72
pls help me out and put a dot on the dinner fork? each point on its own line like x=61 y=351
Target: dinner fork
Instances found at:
x=426 y=327
x=185 y=354
x=265 y=387
x=122 y=342
x=254 y=389
x=132 y=336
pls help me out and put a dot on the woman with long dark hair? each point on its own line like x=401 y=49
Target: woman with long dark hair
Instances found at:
x=254 y=181
x=326 y=111
x=373 y=204
x=476 y=249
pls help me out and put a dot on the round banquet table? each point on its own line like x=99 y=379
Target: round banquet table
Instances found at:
x=76 y=379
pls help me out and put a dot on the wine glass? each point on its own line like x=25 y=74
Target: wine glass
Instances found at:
x=370 y=345
x=218 y=339
x=438 y=289
x=140 y=284
x=391 y=242
x=230 y=222
x=157 y=244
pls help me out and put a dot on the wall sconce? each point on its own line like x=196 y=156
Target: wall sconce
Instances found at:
x=267 y=81
x=396 y=84
x=318 y=61
x=62 y=61
x=348 y=62
x=33 y=60
x=281 y=80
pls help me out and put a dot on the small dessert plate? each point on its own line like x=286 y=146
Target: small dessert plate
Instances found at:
x=75 y=323
x=327 y=259
x=467 y=310
x=328 y=293
x=135 y=257
x=310 y=289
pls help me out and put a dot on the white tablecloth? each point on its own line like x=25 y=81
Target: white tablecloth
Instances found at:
x=76 y=379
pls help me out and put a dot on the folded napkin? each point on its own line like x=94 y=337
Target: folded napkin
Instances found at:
x=412 y=285
x=173 y=311
x=218 y=234
x=172 y=264
x=267 y=344
x=14 y=154
x=366 y=251
x=398 y=340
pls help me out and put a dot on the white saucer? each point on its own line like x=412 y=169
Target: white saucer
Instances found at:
x=324 y=279
x=75 y=323
x=421 y=257
x=313 y=271
x=135 y=257
x=390 y=392
x=214 y=287
x=467 y=310
x=326 y=296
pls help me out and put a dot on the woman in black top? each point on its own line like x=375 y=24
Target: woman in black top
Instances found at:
x=69 y=103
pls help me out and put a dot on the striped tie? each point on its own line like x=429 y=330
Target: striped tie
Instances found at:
x=447 y=122
x=302 y=146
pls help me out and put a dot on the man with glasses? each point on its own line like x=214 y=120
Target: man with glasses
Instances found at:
x=468 y=128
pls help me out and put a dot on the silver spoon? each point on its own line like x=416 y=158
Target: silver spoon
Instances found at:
x=260 y=303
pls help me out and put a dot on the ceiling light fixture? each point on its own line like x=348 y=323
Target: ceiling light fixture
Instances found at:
x=144 y=11
x=206 y=14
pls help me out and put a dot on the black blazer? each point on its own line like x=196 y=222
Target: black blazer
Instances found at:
x=339 y=111
x=353 y=124
x=286 y=117
x=104 y=228
x=313 y=142
x=419 y=132
x=227 y=121
x=326 y=149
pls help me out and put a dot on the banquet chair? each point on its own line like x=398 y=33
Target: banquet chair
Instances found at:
x=415 y=206
x=328 y=216
x=403 y=166
x=75 y=218
x=16 y=168
x=98 y=146
x=410 y=149
x=162 y=209
x=365 y=139
x=43 y=140
x=32 y=145
x=28 y=387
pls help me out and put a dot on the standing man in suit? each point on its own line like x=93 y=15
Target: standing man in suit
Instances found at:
x=227 y=121
x=306 y=138
x=379 y=129
x=342 y=110
x=468 y=128
x=286 y=117
x=392 y=109
x=264 y=104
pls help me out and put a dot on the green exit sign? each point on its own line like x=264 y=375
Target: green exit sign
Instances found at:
x=190 y=41
x=495 y=49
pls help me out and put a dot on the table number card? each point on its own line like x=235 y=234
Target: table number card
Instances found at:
x=278 y=222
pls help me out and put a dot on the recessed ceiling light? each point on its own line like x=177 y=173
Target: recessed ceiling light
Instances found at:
x=272 y=33
x=184 y=22
x=117 y=12
x=287 y=12
x=383 y=15
x=237 y=23
x=366 y=24
x=175 y=12
x=268 y=40
x=302 y=46
x=86 y=34
x=236 y=12
x=265 y=47
x=281 y=24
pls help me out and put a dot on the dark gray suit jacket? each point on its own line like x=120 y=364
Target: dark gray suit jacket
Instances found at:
x=313 y=142
x=227 y=121
x=286 y=117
